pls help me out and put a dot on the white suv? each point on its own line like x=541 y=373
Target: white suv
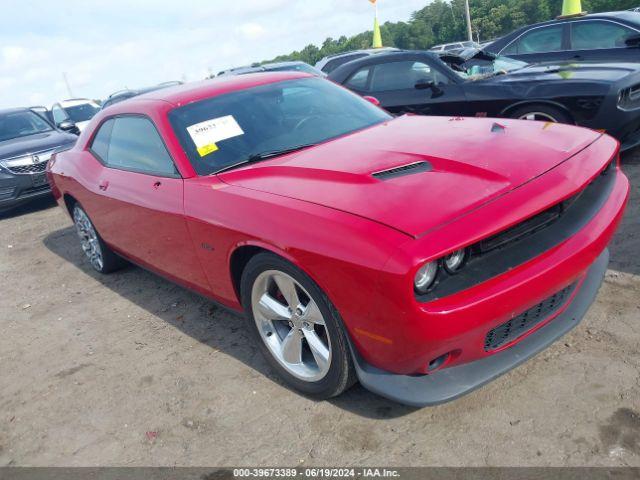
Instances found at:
x=454 y=47
x=77 y=110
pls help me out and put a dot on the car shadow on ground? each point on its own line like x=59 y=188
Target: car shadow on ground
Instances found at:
x=29 y=207
x=204 y=321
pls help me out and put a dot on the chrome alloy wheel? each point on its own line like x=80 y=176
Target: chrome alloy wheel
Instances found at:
x=291 y=325
x=88 y=238
x=538 y=116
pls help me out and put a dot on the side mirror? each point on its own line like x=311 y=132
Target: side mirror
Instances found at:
x=428 y=85
x=68 y=126
x=373 y=100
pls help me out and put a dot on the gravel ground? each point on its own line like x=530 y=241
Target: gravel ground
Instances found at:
x=129 y=369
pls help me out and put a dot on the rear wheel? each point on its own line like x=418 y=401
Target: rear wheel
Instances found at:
x=541 y=113
x=297 y=328
x=100 y=256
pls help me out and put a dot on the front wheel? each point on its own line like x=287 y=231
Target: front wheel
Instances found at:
x=542 y=113
x=297 y=328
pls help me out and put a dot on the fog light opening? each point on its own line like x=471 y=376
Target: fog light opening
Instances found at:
x=437 y=363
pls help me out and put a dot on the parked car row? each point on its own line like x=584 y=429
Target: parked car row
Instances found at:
x=600 y=96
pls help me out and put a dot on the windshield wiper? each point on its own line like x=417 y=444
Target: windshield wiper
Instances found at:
x=258 y=157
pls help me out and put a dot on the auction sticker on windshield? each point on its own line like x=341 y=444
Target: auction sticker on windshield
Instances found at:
x=207 y=134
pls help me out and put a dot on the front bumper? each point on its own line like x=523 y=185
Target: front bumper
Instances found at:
x=404 y=335
x=450 y=383
x=18 y=189
x=624 y=125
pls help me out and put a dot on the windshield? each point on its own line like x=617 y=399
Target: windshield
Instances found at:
x=21 y=124
x=82 y=113
x=230 y=129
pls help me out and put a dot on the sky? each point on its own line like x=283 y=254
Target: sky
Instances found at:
x=107 y=45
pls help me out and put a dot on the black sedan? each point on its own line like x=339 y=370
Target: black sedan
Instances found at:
x=27 y=141
x=602 y=37
x=598 y=96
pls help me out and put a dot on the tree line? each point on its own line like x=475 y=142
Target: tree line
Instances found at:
x=443 y=21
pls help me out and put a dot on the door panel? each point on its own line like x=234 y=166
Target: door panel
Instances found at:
x=142 y=217
x=450 y=100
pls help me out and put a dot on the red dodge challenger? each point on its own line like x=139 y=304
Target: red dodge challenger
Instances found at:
x=421 y=256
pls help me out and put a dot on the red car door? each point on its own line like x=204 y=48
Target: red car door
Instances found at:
x=138 y=205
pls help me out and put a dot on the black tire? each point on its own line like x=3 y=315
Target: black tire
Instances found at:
x=554 y=114
x=110 y=261
x=341 y=374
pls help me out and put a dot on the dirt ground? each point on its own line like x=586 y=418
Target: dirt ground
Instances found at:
x=129 y=369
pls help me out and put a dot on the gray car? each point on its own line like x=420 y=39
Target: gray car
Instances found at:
x=27 y=141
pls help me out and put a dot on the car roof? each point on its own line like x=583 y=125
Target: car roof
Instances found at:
x=631 y=17
x=386 y=57
x=282 y=64
x=191 y=92
x=72 y=102
x=368 y=51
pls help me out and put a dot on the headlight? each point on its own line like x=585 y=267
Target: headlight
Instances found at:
x=455 y=261
x=425 y=277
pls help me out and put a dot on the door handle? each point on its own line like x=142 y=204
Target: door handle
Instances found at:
x=157 y=184
x=104 y=185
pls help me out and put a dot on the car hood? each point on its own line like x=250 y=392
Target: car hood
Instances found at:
x=605 y=72
x=469 y=161
x=35 y=143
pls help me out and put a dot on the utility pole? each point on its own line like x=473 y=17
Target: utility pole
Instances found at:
x=66 y=82
x=468 y=15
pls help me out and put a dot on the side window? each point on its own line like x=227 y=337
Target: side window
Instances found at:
x=59 y=115
x=595 y=34
x=100 y=144
x=133 y=143
x=538 y=40
x=359 y=80
x=404 y=76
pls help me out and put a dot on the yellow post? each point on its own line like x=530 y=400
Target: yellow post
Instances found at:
x=377 y=36
x=571 y=8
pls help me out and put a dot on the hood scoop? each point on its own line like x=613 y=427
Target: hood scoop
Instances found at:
x=403 y=170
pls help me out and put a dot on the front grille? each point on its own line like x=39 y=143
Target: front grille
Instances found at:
x=535 y=223
x=518 y=326
x=28 y=164
x=29 y=169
